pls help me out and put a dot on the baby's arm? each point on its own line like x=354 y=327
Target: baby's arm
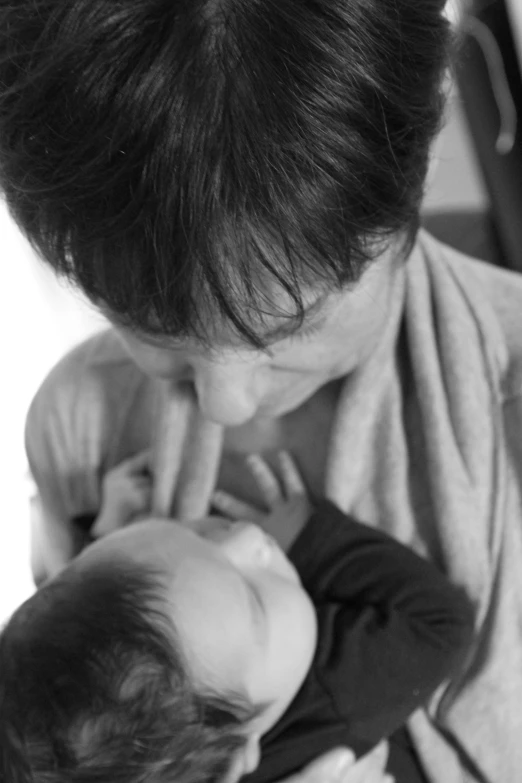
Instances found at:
x=391 y=626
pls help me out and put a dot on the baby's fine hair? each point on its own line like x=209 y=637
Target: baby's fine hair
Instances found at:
x=94 y=687
x=175 y=158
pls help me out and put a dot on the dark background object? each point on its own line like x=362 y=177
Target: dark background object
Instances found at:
x=472 y=232
x=502 y=173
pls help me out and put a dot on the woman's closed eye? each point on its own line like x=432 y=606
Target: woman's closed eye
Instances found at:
x=306 y=331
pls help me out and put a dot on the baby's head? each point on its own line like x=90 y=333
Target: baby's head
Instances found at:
x=159 y=654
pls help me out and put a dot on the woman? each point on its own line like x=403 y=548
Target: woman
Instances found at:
x=237 y=188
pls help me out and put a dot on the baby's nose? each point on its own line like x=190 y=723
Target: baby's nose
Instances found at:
x=250 y=544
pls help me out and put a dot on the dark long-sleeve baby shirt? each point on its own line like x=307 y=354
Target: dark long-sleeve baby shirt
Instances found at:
x=391 y=628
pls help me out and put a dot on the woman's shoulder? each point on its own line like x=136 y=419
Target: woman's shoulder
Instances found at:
x=95 y=368
x=88 y=387
x=503 y=290
x=494 y=294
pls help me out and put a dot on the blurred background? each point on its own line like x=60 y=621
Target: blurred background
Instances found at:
x=473 y=201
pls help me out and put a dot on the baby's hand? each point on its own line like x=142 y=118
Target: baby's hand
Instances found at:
x=126 y=494
x=287 y=506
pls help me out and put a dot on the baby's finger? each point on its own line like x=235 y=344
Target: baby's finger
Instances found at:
x=140 y=482
x=138 y=462
x=292 y=481
x=235 y=509
x=144 y=498
x=265 y=479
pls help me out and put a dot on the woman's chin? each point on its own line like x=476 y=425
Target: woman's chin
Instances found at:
x=280 y=407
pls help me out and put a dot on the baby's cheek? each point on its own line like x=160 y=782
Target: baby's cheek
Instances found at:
x=308 y=632
x=313 y=631
x=302 y=632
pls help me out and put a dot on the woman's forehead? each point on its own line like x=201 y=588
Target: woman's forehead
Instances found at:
x=277 y=322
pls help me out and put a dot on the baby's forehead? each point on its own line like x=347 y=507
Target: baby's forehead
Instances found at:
x=164 y=548
x=137 y=537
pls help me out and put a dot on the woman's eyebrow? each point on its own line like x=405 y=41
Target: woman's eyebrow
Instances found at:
x=292 y=323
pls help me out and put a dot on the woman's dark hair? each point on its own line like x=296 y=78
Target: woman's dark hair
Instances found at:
x=174 y=158
x=94 y=688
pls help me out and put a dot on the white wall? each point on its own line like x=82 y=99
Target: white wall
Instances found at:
x=39 y=320
x=454 y=181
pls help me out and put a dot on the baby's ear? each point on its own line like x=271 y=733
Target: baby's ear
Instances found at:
x=251 y=754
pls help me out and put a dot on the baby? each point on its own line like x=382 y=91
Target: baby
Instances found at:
x=167 y=653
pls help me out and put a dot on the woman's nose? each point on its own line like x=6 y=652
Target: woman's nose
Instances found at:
x=227 y=393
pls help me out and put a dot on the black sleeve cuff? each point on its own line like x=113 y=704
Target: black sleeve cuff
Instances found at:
x=318 y=538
